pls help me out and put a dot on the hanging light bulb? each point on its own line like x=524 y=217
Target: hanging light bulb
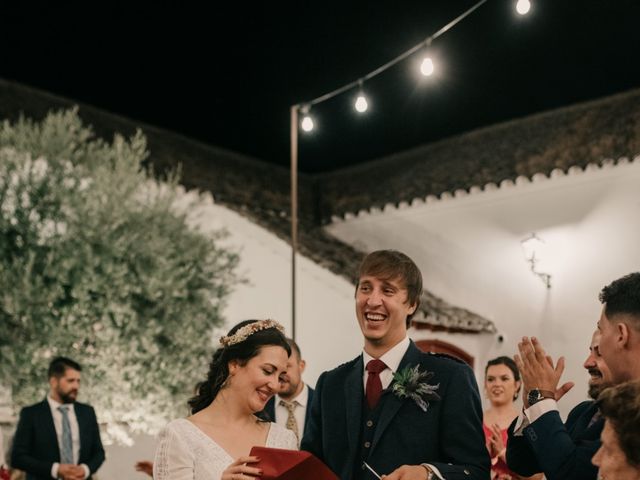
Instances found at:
x=361 y=104
x=523 y=7
x=426 y=67
x=307 y=122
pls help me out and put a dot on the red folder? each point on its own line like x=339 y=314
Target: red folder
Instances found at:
x=280 y=464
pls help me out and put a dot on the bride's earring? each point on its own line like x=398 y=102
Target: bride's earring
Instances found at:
x=227 y=382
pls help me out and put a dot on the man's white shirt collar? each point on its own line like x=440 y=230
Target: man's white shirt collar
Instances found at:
x=54 y=404
x=391 y=359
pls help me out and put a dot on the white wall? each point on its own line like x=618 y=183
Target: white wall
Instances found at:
x=469 y=251
x=326 y=328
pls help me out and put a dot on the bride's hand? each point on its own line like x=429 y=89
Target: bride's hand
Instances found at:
x=239 y=470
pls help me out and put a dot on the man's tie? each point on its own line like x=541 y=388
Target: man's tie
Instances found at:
x=374 y=385
x=292 y=423
x=66 y=454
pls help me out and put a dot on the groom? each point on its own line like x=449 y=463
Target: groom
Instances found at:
x=425 y=425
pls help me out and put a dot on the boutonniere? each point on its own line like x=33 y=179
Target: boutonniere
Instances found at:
x=411 y=382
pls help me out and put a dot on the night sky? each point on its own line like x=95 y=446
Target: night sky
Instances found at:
x=227 y=75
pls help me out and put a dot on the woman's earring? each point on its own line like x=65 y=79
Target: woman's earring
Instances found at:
x=226 y=383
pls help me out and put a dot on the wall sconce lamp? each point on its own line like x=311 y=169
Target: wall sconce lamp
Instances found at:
x=531 y=247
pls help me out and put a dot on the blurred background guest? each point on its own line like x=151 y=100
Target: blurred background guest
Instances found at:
x=502 y=386
x=290 y=406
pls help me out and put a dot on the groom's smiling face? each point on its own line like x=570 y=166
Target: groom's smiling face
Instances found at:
x=382 y=309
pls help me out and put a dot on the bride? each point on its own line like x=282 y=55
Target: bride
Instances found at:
x=214 y=442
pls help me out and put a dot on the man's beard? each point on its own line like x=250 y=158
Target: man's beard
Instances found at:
x=69 y=397
x=596 y=389
x=289 y=391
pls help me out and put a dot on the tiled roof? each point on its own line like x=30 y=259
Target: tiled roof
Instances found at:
x=572 y=137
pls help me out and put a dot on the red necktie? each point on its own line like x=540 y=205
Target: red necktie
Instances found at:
x=374 y=385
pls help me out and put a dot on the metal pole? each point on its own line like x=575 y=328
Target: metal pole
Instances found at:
x=294 y=213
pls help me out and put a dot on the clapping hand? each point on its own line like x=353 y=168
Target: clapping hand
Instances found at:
x=495 y=444
x=537 y=369
x=239 y=470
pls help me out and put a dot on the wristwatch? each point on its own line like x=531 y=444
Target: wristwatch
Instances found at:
x=535 y=395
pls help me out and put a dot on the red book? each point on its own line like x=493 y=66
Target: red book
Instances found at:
x=280 y=464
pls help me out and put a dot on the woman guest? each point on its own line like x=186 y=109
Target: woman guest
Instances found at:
x=502 y=386
x=214 y=442
x=619 y=455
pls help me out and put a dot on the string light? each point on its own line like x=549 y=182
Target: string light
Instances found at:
x=361 y=103
x=523 y=7
x=307 y=122
x=427 y=67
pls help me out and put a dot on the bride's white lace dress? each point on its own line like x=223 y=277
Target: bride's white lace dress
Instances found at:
x=186 y=452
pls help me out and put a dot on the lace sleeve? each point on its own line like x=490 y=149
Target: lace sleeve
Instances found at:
x=173 y=460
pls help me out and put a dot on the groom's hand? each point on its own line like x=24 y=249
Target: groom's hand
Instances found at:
x=408 y=472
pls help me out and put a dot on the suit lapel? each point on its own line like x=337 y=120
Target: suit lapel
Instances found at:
x=583 y=426
x=83 y=431
x=270 y=409
x=49 y=427
x=392 y=403
x=354 y=396
x=309 y=400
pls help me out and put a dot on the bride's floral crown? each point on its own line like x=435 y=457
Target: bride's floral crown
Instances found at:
x=245 y=332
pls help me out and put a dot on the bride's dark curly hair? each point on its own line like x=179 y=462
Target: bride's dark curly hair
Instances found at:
x=241 y=352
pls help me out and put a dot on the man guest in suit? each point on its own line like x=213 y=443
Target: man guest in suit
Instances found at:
x=289 y=408
x=538 y=440
x=619 y=327
x=58 y=437
x=409 y=415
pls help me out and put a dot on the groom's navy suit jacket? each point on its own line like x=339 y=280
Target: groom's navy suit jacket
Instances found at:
x=448 y=435
x=35 y=444
x=561 y=451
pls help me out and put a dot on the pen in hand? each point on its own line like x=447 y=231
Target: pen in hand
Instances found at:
x=372 y=470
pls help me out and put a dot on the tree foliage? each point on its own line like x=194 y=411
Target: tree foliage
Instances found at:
x=97 y=263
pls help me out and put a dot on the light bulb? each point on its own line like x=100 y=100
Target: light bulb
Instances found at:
x=361 y=103
x=426 y=67
x=523 y=7
x=307 y=123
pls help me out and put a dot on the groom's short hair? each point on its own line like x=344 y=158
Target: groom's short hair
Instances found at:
x=391 y=265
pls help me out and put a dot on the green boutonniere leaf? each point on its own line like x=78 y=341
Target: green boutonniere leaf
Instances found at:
x=411 y=382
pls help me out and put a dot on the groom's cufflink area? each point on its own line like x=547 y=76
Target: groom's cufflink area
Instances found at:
x=430 y=475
